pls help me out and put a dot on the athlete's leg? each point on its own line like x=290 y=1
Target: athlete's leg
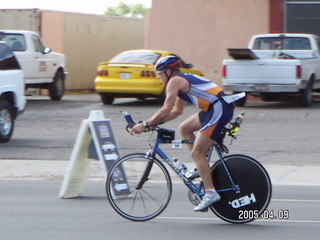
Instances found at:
x=202 y=143
x=199 y=150
x=188 y=127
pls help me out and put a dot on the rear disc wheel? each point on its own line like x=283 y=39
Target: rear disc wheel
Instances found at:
x=254 y=193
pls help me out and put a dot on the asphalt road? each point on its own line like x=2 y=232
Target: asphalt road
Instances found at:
x=273 y=133
x=32 y=210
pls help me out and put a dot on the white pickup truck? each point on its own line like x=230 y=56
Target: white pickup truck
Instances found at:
x=42 y=68
x=275 y=66
x=12 y=99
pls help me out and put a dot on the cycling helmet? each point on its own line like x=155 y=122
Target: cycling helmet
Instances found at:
x=170 y=62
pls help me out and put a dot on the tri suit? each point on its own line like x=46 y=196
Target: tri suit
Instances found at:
x=215 y=111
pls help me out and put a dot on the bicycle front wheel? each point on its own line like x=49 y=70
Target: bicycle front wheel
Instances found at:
x=138 y=188
x=254 y=193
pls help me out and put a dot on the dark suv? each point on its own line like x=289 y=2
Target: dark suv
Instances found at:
x=12 y=99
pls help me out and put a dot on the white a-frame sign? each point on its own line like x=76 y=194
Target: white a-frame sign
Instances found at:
x=98 y=130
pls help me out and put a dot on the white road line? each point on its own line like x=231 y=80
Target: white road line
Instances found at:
x=258 y=220
x=296 y=200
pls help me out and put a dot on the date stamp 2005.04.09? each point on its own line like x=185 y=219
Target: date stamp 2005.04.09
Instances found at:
x=281 y=214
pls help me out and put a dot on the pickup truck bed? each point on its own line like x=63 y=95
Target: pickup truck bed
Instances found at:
x=274 y=73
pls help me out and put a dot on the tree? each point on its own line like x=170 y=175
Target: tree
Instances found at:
x=137 y=10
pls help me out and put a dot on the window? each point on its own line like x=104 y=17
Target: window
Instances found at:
x=282 y=43
x=136 y=57
x=15 y=41
x=38 y=46
x=7 y=59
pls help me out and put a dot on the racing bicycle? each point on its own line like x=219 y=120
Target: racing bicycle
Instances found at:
x=139 y=186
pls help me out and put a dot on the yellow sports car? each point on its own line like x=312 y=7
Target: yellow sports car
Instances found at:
x=132 y=74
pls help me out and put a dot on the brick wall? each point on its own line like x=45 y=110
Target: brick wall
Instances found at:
x=276 y=16
x=201 y=31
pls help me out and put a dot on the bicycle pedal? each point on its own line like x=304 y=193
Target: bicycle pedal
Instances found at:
x=193 y=198
x=205 y=210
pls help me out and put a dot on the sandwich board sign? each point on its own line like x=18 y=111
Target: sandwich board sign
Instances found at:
x=97 y=130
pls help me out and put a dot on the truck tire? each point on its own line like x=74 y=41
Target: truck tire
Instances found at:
x=305 y=99
x=6 y=121
x=241 y=102
x=106 y=98
x=267 y=97
x=56 y=88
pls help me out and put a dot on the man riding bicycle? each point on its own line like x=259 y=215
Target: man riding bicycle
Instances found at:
x=215 y=113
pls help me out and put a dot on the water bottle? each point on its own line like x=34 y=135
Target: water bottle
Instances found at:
x=181 y=166
x=239 y=119
x=236 y=125
x=192 y=174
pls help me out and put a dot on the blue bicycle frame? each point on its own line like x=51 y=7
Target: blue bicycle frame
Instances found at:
x=197 y=189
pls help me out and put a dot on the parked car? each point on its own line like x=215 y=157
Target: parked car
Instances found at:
x=132 y=74
x=42 y=67
x=12 y=99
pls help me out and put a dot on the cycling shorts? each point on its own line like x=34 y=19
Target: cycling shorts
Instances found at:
x=214 y=120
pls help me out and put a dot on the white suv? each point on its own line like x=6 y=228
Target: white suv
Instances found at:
x=12 y=99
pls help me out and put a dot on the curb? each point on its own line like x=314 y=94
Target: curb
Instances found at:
x=56 y=170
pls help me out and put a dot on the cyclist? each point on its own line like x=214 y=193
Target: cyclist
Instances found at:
x=214 y=115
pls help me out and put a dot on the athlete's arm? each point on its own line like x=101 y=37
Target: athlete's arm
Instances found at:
x=164 y=112
x=171 y=107
x=177 y=109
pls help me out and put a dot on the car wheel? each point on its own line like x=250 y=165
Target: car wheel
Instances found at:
x=306 y=95
x=56 y=88
x=267 y=97
x=6 y=121
x=106 y=98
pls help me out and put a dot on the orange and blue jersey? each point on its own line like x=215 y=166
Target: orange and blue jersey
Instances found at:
x=202 y=92
x=208 y=96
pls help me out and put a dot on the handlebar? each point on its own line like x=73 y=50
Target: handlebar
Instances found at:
x=128 y=118
x=168 y=134
x=131 y=122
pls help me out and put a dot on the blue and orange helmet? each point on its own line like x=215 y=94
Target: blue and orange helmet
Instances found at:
x=168 y=62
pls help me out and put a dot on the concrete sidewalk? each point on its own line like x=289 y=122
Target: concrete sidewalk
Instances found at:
x=56 y=170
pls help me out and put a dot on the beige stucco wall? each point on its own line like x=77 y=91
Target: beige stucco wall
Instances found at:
x=51 y=29
x=201 y=31
x=87 y=40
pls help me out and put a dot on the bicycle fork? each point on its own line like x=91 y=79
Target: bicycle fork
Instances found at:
x=145 y=175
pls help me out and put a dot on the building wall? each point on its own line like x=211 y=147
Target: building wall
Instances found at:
x=201 y=31
x=20 y=19
x=87 y=40
x=52 y=30
x=276 y=13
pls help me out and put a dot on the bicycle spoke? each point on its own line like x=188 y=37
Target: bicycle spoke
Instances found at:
x=147 y=201
x=134 y=201
x=153 y=198
x=143 y=202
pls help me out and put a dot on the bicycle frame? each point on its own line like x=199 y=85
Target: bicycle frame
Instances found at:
x=147 y=202
x=156 y=150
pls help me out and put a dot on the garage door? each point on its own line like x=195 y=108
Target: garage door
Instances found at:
x=303 y=17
